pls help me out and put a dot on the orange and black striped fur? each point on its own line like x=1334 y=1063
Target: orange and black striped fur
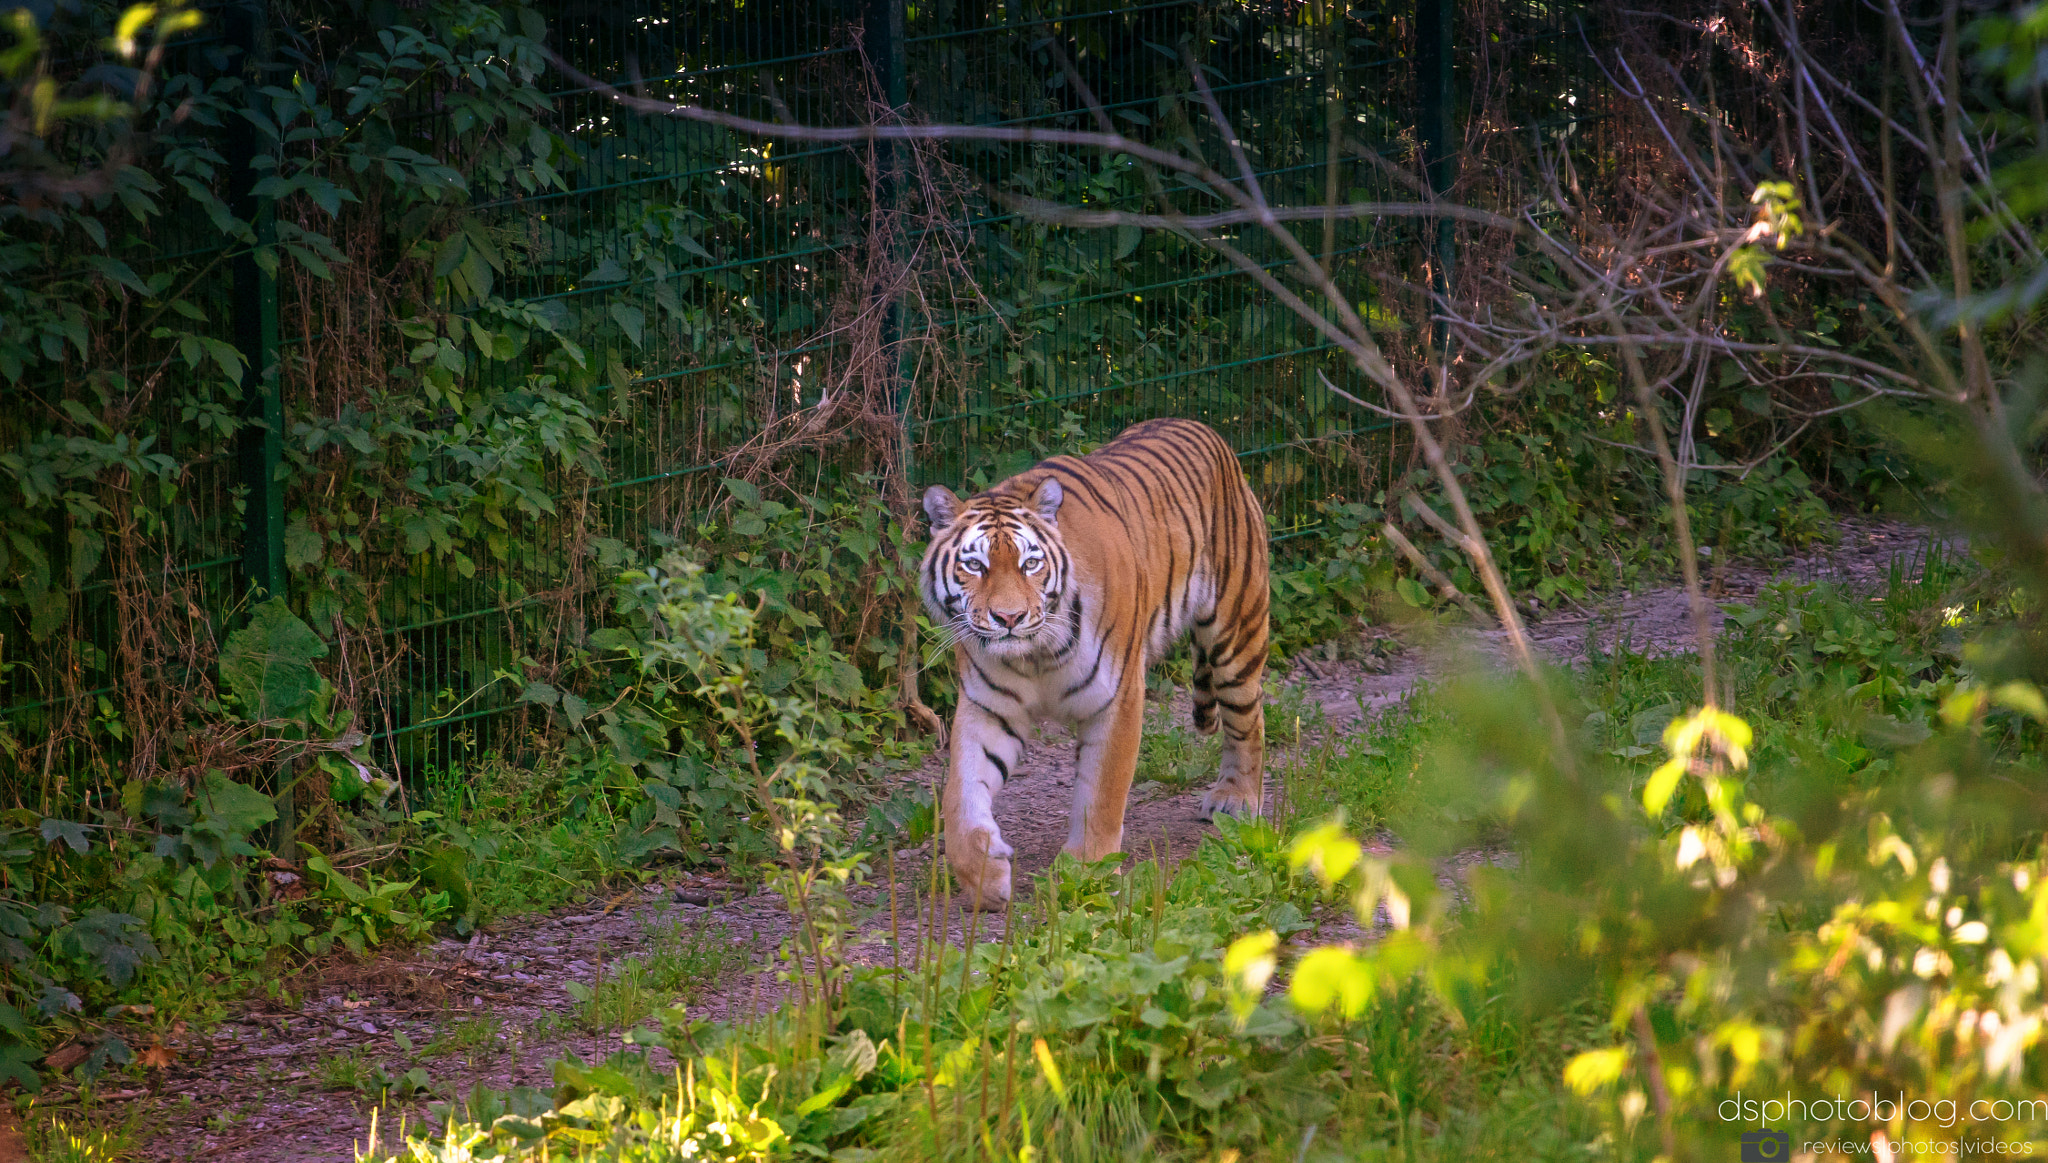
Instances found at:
x=1059 y=587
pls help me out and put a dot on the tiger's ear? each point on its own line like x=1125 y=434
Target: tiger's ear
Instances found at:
x=1047 y=498
x=941 y=506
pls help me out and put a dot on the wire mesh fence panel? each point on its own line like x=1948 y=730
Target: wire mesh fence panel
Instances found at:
x=122 y=560
x=733 y=291
x=1086 y=331
x=661 y=307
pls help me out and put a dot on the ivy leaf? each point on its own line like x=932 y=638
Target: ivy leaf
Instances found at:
x=268 y=664
x=69 y=831
x=541 y=693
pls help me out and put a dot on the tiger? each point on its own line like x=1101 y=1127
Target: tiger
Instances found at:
x=1059 y=588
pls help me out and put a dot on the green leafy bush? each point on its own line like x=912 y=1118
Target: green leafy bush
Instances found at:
x=1835 y=896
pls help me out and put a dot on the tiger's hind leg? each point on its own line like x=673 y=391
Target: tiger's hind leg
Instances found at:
x=1230 y=669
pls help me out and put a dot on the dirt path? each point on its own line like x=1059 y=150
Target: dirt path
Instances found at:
x=296 y=1083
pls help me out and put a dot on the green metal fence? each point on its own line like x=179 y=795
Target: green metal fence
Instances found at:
x=728 y=287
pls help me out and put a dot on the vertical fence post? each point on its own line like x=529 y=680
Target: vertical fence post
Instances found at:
x=261 y=442
x=1433 y=124
x=882 y=40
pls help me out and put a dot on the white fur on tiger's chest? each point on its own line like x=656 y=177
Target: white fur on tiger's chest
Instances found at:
x=1072 y=684
x=1069 y=683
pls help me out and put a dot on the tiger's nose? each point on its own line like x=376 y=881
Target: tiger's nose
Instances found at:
x=1007 y=619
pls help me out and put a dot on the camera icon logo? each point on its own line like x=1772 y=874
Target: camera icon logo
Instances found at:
x=1766 y=1146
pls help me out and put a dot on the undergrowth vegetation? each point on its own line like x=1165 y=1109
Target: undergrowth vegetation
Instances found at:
x=438 y=706
x=1108 y=1023
x=1529 y=915
x=318 y=656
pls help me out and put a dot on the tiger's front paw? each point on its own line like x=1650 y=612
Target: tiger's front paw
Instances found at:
x=981 y=863
x=1230 y=800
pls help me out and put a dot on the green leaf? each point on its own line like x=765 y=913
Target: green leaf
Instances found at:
x=1329 y=977
x=450 y=255
x=338 y=885
x=1411 y=592
x=480 y=243
x=1127 y=240
x=476 y=271
x=1594 y=1069
x=1746 y=266
x=1662 y=782
x=17 y=1063
x=575 y=708
x=633 y=320
x=825 y=1097
x=303 y=544
x=268 y=664
x=235 y=809
x=116 y=942
x=86 y=547
x=119 y=272
x=69 y=831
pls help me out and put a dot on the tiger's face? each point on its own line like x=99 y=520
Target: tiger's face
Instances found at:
x=996 y=570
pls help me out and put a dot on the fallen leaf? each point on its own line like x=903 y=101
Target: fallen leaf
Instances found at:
x=157 y=1056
